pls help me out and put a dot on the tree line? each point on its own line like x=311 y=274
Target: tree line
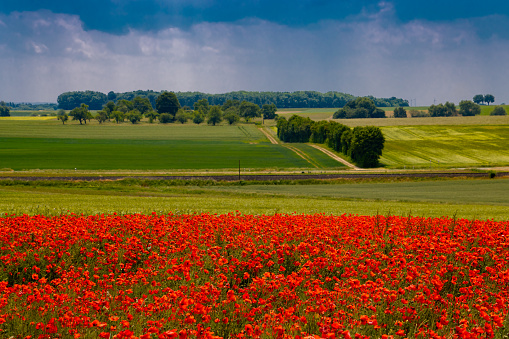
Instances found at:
x=168 y=110
x=26 y=106
x=300 y=99
x=363 y=145
x=449 y=109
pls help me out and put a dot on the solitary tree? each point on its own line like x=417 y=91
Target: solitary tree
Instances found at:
x=198 y=117
x=248 y=110
x=181 y=116
x=399 y=112
x=133 y=116
x=101 y=116
x=269 y=111
x=165 y=118
x=61 y=115
x=109 y=107
x=469 y=108
x=215 y=116
x=151 y=115
x=142 y=104
x=489 y=98
x=498 y=110
x=80 y=113
x=478 y=99
x=231 y=117
x=167 y=102
x=119 y=116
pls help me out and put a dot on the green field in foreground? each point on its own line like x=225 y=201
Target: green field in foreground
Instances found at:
x=423 y=198
x=46 y=144
x=445 y=146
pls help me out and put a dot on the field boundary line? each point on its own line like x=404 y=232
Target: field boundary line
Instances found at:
x=335 y=157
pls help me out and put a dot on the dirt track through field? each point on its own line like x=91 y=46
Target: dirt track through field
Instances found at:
x=270 y=137
x=335 y=157
x=291 y=148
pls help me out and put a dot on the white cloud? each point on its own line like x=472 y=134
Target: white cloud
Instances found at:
x=45 y=54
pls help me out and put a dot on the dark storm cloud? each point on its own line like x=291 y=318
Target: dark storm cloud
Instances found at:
x=118 y=16
x=360 y=49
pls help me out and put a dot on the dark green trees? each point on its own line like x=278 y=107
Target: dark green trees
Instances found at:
x=469 y=108
x=202 y=106
x=61 y=115
x=479 y=98
x=359 y=108
x=366 y=146
x=498 y=110
x=248 y=110
x=142 y=105
x=5 y=110
x=489 y=98
x=182 y=116
x=442 y=110
x=133 y=116
x=165 y=118
x=215 y=115
x=231 y=117
x=167 y=102
x=296 y=129
x=400 y=112
x=71 y=100
x=269 y=111
x=80 y=113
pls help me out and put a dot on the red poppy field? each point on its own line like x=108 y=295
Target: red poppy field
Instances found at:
x=210 y=276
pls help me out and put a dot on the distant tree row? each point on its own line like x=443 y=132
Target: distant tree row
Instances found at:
x=301 y=99
x=466 y=108
x=363 y=145
x=24 y=106
x=168 y=109
x=5 y=110
x=359 y=108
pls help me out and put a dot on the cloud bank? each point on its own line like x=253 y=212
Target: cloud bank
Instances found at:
x=43 y=53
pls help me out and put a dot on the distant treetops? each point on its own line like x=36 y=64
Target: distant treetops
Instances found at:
x=299 y=99
x=480 y=99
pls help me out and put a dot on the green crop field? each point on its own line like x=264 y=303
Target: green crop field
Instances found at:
x=486 y=110
x=445 y=146
x=47 y=144
x=426 y=198
x=468 y=192
x=449 y=121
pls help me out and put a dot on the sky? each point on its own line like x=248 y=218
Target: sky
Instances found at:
x=423 y=51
